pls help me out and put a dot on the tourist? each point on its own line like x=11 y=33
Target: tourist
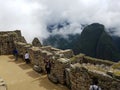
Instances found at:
x=94 y=85
x=15 y=53
x=48 y=66
x=27 y=60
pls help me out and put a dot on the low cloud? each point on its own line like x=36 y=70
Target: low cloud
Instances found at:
x=33 y=16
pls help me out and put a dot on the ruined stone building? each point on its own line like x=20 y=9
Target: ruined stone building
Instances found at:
x=7 y=40
x=76 y=72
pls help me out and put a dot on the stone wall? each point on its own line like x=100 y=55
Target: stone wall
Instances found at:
x=58 y=70
x=22 y=48
x=77 y=77
x=80 y=78
x=38 y=56
x=7 y=40
x=34 y=55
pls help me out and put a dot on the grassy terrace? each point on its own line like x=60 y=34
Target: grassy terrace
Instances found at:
x=94 y=67
x=115 y=73
x=99 y=65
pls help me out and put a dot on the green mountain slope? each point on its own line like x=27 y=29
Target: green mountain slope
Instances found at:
x=89 y=39
x=95 y=42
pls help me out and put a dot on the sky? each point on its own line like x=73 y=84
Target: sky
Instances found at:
x=33 y=16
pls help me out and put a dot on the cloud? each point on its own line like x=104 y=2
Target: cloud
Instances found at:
x=87 y=11
x=73 y=28
x=25 y=16
x=33 y=16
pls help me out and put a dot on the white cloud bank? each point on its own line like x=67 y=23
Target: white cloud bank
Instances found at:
x=32 y=16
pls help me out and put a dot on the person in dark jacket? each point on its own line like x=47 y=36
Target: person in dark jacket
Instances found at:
x=15 y=53
x=48 y=66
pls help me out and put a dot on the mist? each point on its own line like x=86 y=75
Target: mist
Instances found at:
x=33 y=16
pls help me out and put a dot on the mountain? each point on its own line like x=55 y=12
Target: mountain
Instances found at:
x=60 y=42
x=116 y=40
x=88 y=39
x=93 y=41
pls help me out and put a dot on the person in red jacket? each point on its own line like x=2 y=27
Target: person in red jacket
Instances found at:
x=15 y=53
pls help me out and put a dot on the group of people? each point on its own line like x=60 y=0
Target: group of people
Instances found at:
x=26 y=56
x=27 y=60
x=93 y=86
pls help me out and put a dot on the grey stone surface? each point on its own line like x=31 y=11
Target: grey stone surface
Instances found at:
x=3 y=85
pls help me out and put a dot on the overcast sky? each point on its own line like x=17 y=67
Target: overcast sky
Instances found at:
x=32 y=16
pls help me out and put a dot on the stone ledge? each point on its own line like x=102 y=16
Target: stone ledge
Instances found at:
x=3 y=85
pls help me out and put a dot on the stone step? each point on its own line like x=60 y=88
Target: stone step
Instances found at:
x=3 y=88
x=2 y=83
x=1 y=80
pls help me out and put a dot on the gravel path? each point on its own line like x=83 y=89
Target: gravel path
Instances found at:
x=20 y=76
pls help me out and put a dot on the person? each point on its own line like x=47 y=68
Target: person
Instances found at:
x=94 y=85
x=48 y=66
x=27 y=57
x=15 y=53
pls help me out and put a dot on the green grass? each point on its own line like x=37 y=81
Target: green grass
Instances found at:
x=116 y=66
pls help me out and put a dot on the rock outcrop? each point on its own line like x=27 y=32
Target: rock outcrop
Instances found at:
x=36 y=42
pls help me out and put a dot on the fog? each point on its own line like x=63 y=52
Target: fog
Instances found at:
x=33 y=16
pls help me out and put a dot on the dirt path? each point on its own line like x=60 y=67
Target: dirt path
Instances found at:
x=20 y=76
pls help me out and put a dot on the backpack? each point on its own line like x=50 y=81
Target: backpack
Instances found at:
x=93 y=88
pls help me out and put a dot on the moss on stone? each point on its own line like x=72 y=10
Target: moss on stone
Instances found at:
x=98 y=61
x=77 y=57
x=116 y=66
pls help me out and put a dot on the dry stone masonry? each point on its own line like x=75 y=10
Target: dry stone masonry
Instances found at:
x=74 y=71
x=58 y=70
x=7 y=40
